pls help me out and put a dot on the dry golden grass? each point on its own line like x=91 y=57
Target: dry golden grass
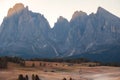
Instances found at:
x=57 y=71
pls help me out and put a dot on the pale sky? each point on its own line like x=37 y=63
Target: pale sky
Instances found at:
x=52 y=9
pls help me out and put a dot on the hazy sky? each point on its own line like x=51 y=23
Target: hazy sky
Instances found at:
x=52 y=9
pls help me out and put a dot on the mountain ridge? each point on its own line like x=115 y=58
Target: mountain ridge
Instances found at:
x=28 y=34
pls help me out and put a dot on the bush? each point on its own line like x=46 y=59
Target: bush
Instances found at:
x=21 y=77
x=37 y=78
x=64 y=79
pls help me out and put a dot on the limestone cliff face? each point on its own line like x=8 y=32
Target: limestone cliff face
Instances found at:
x=28 y=34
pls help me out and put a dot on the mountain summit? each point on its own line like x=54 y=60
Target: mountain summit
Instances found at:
x=24 y=33
x=28 y=34
x=78 y=14
x=16 y=9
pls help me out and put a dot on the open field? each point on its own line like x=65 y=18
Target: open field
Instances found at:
x=57 y=71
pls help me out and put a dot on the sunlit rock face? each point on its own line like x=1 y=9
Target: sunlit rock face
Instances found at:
x=16 y=9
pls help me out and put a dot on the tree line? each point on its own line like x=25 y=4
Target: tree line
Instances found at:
x=79 y=60
x=4 y=61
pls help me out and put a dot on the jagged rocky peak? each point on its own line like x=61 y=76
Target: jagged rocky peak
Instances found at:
x=78 y=13
x=105 y=13
x=60 y=19
x=16 y=8
x=101 y=10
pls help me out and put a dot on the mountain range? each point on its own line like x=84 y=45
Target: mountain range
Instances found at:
x=28 y=34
